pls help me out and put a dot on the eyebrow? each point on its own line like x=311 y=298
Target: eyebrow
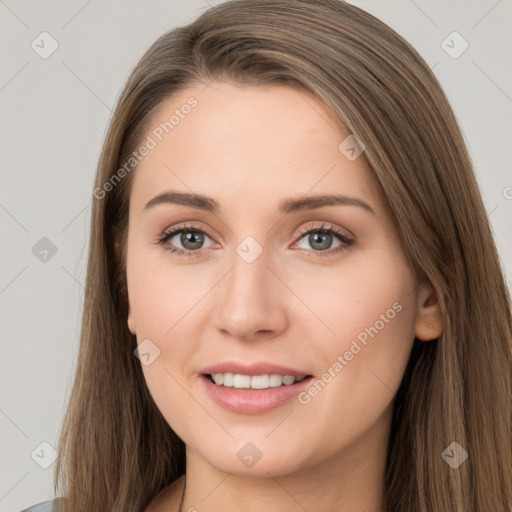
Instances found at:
x=209 y=204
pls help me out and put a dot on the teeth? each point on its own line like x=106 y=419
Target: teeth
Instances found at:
x=260 y=381
x=239 y=381
x=227 y=379
x=275 y=381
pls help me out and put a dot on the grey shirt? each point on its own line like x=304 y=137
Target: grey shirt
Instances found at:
x=45 y=506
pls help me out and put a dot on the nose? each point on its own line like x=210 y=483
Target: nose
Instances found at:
x=251 y=300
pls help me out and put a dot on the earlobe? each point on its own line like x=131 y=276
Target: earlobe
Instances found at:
x=429 y=317
x=130 y=320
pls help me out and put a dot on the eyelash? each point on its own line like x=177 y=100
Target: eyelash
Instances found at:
x=345 y=239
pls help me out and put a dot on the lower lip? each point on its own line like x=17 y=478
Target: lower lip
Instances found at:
x=253 y=401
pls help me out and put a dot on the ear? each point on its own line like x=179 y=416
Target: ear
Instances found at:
x=429 y=318
x=131 y=320
x=118 y=256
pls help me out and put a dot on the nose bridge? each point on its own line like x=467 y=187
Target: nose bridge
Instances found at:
x=248 y=279
x=250 y=293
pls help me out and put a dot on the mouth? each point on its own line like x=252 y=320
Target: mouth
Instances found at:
x=252 y=389
x=253 y=382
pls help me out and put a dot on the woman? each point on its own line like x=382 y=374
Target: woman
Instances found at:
x=293 y=299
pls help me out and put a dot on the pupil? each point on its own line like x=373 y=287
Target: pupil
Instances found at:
x=187 y=240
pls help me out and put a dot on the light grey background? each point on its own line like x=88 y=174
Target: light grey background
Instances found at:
x=54 y=114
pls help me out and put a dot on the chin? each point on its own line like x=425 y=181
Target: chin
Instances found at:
x=258 y=459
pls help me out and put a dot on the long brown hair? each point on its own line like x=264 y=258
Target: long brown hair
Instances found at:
x=117 y=452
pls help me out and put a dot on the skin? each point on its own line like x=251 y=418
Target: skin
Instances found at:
x=249 y=148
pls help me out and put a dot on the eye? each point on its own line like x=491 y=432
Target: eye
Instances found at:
x=189 y=240
x=189 y=237
x=320 y=240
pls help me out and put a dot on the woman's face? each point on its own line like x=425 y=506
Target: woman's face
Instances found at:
x=256 y=292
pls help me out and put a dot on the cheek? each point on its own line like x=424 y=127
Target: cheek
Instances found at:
x=168 y=308
x=365 y=296
x=178 y=403
x=371 y=311
x=165 y=306
x=168 y=302
x=164 y=295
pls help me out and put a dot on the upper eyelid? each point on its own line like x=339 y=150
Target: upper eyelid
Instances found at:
x=329 y=227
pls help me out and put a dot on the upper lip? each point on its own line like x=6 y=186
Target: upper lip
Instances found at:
x=260 y=368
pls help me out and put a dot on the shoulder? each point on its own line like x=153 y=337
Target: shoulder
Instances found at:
x=45 y=506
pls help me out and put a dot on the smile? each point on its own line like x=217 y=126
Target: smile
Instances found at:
x=239 y=381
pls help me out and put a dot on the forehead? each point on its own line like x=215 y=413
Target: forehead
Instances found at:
x=240 y=141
